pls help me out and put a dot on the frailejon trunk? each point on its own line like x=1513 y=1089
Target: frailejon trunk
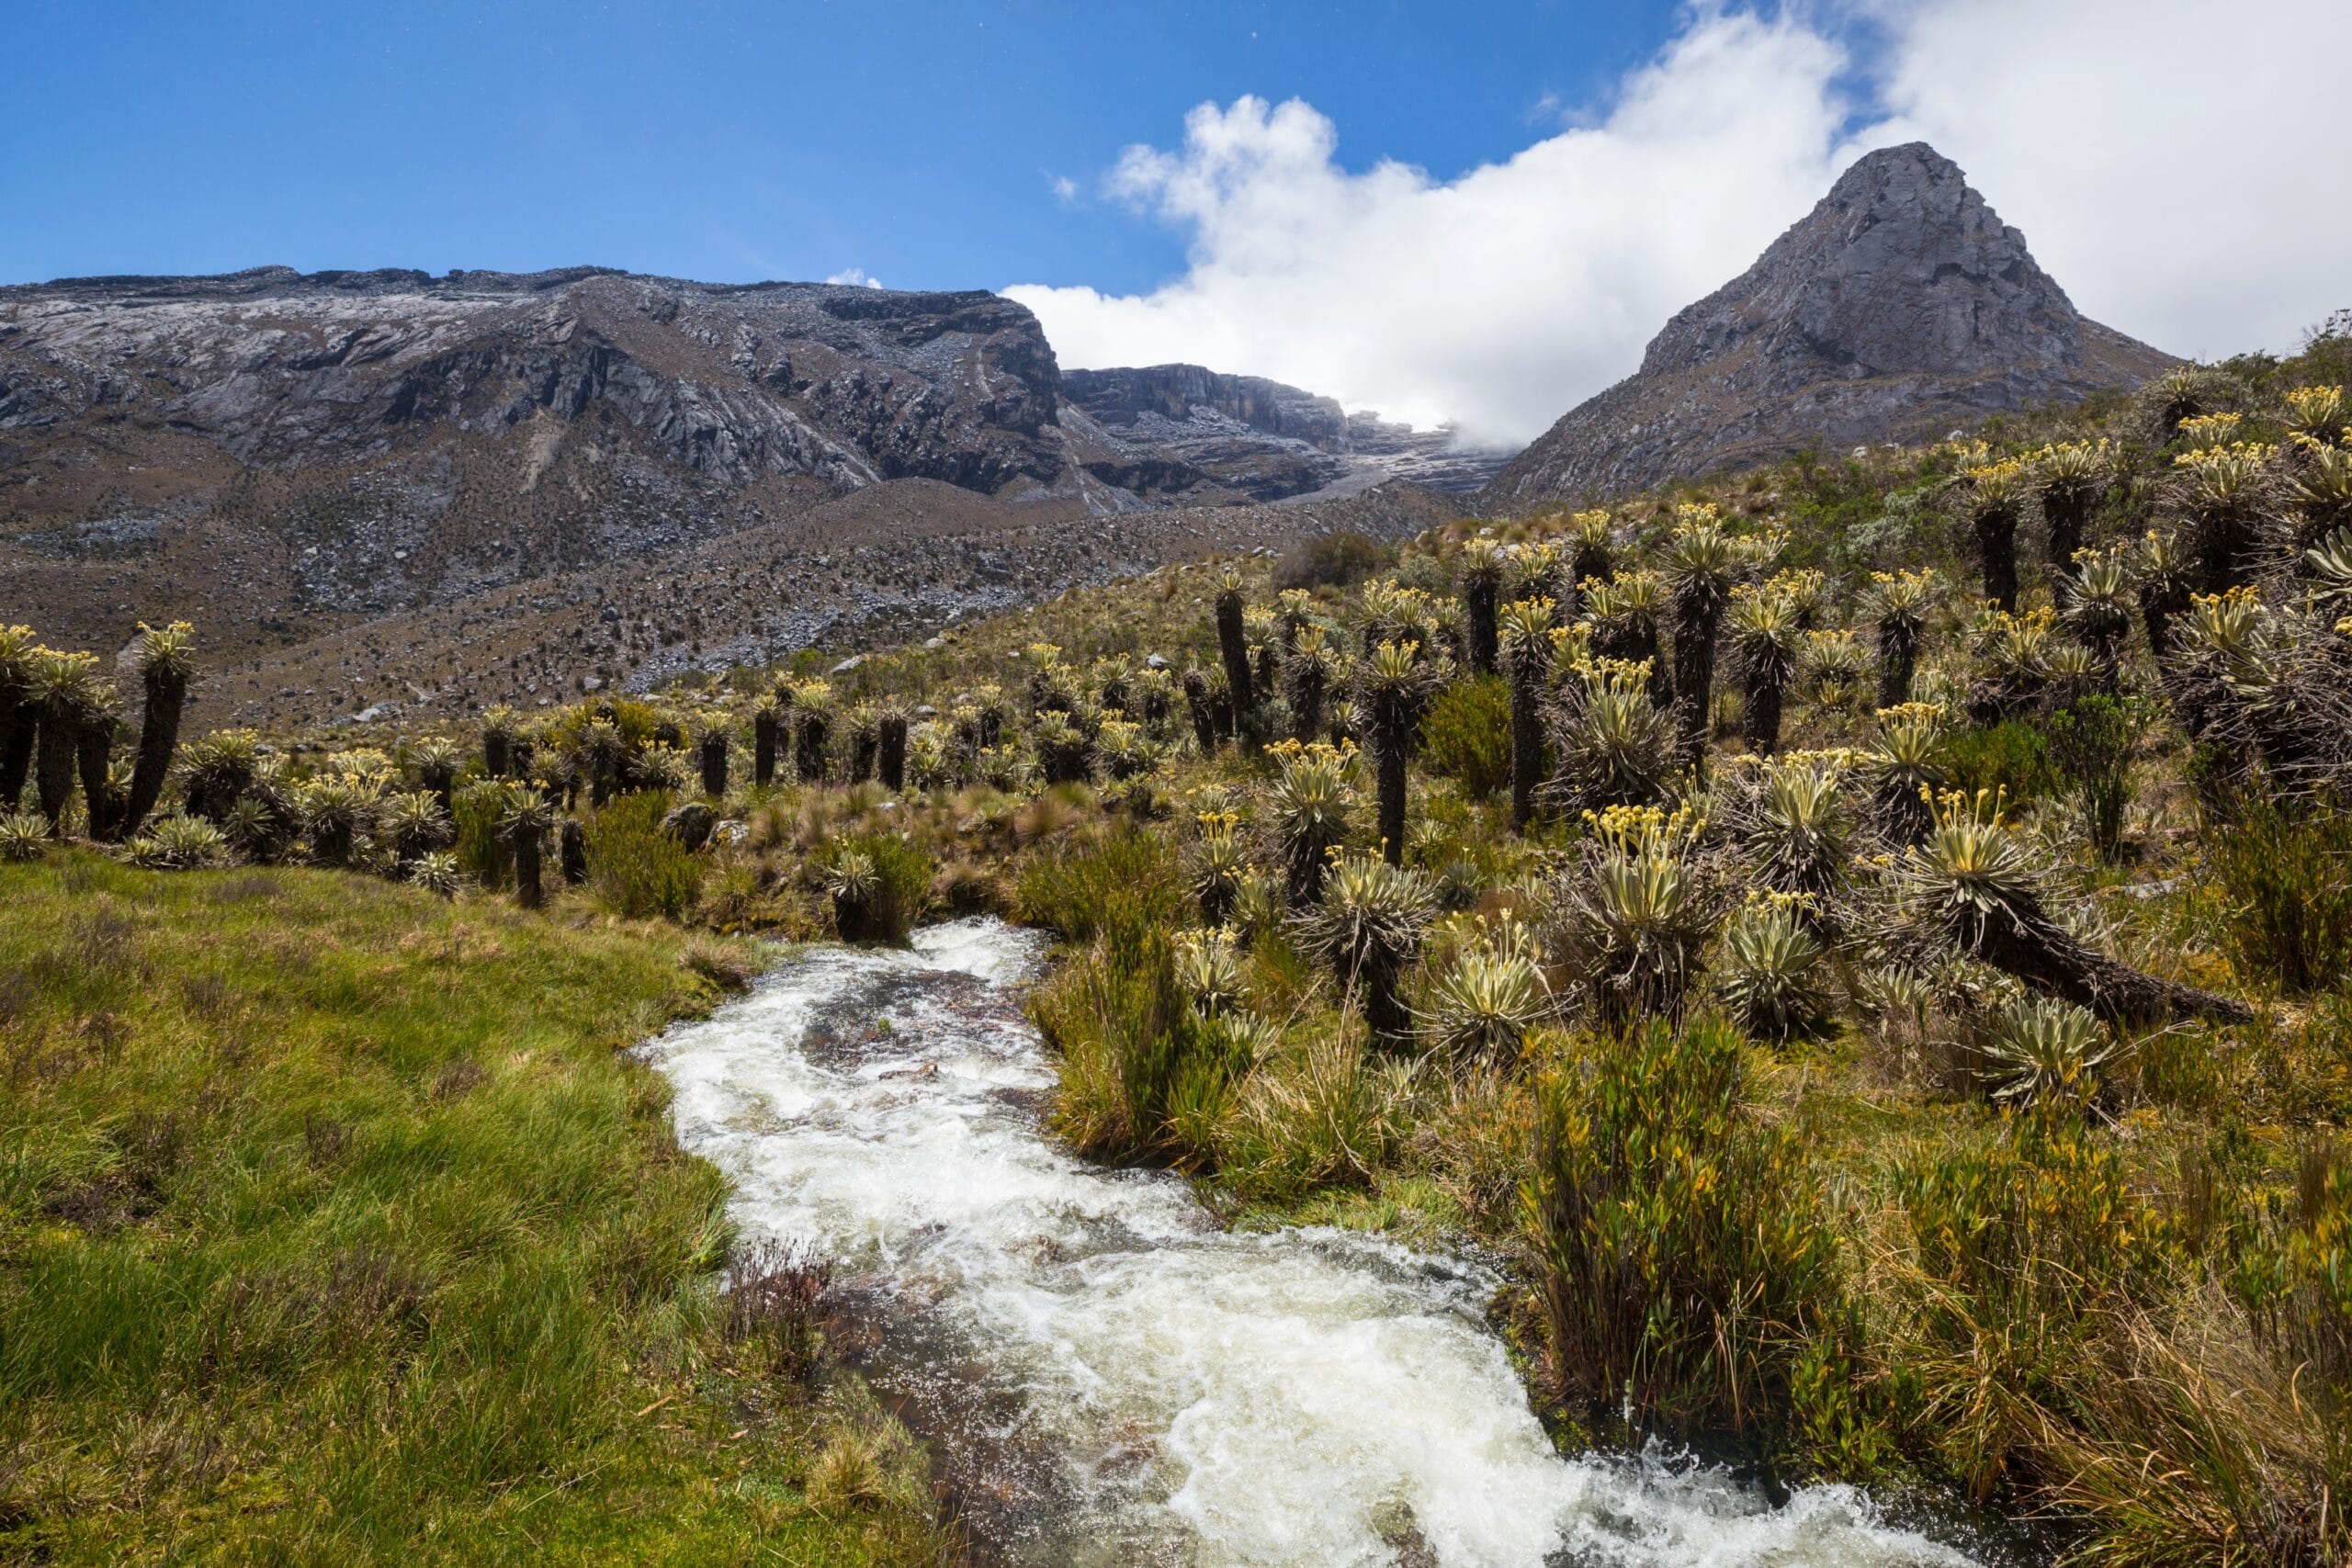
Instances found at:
x=714 y=765
x=1478 y=605
x=525 y=842
x=808 y=747
x=53 y=763
x=1391 y=751
x=1232 y=648
x=1996 y=550
x=893 y=759
x=1697 y=619
x=93 y=749
x=571 y=852
x=763 y=734
x=1526 y=747
x=16 y=727
x=1764 y=716
x=158 y=736
x=1898 y=660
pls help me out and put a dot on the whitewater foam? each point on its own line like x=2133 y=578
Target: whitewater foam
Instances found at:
x=1115 y=1380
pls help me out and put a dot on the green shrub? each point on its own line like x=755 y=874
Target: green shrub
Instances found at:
x=2011 y=757
x=2026 y=1241
x=1466 y=735
x=2285 y=875
x=635 y=869
x=1072 y=887
x=1677 y=1243
x=1329 y=561
x=1143 y=1071
x=2091 y=745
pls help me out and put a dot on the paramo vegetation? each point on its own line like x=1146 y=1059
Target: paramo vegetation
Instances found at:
x=1868 y=938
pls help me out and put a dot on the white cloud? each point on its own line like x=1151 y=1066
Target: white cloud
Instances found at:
x=854 y=277
x=2115 y=133
x=1064 y=189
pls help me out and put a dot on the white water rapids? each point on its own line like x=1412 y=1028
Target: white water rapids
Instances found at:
x=1109 y=1378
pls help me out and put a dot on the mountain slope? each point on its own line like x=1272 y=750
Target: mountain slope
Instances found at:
x=1268 y=439
x=312 y=451
x=1900 y=305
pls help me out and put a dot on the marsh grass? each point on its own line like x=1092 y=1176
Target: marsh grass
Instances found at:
x=341 y=1230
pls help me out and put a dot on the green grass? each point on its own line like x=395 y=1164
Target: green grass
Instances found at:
x=337 y=1229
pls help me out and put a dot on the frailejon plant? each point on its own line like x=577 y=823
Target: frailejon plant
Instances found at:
x=1772 y=972
x=1905 y=771
x=1765 y=646
x=1394 y=686
x=166 y=659
x=2044 y=1053
x=2226 y=489
x=1526 y=651
x=1233 y=647
x=2097 y=605
x=1700 y=559
x=1481 y=1007
x=1611 y=745
x=1369 y=925
x=1993 y=498
x=1677 y=1241
x=1310 y=673
x=2070 y=478
x=525 y=824
x=1592 y=556
x=1482 y=581
x=1899 y=603
x=1973 y=886
x=1636 y=912
x=1797 y=830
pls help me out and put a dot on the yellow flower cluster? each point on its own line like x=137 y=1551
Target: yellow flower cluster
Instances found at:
x=2211 y=429
x=2241 y=456
x=2316 y=408
x=1045 y=652
x=1645 y=832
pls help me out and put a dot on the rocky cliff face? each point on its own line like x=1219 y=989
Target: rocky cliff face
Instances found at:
x=296 y=446
x=1266 y=439
x=1900 y=305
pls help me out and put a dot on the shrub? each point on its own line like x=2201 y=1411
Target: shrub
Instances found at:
x=2091 y=745
x=2010 y=758
x=1465 y=735
x=1677 y=1243
x=1074 y=885
x=2022 y=1241
x=1144 y=1071
x=1329 y=561
x=635 y=869
x=2284 y=871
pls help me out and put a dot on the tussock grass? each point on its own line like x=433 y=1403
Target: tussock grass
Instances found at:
x=340 y=1230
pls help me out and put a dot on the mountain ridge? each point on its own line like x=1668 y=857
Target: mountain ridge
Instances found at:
x=1900 y=305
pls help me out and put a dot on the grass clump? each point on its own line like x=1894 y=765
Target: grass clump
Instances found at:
x=341 y=1231
x=635 y=869
x=1674 y=1237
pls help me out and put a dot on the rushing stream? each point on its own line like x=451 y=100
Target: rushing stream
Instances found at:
x=1110 y=1379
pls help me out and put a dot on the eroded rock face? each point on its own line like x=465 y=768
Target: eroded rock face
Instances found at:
x=1266 y=439
x=344 y=445
x=288 y=371
x=1901 y=304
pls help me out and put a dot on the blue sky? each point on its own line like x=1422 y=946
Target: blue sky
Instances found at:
x=1467 y=213
x=725 y=142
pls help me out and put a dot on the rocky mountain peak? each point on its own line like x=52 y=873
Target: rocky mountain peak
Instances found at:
x=1901 y=302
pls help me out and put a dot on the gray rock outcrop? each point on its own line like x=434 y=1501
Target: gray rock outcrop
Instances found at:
x=1901 y=305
